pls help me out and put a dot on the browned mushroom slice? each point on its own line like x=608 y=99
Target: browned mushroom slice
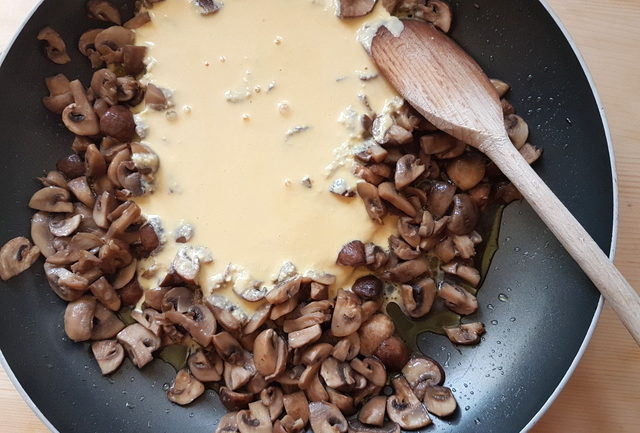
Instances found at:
x=288 y=425
x=304 y=336
x=272 y=398
x=59 y=93
x=258 y=319
x=374 y=331
x=326 y=418
x=41 y=235
x=352 y=254
x=440 y=198
x=78 y=318
x=464 y=215
x=283 y=291
x=206 y=366
x=437 y=12
x=16 y=256
x=66 y=284
x=297 y=406
x=393 y=352
x=357 y=426
x=354 y=8
x=51 y=199
x=341 y=401
x=227 y=423
x=110 y=42
x=104 y=84
x=105 y=293
x=133 y=59
x=467 y=170
x=465 y=334
x=237 y=376
x=86 y=46
x=256 y=419
x=517 y=129
x=337 y=374
x=372 y=369
x=197 y=320
x=208 y=7
x=347 y=348
x=388 y=192
x=440 y=401
x=375 y=256
x=402 y=249
x=270 y=353
x=234 y=400
x=105 y=323
x=469 y=274
x=109 y=354
x=103 y=10
x=155 y=98
x=368 y=287
x=457 y=299
x=418 y=297
x=372 y=202
x=404 y=408
x=407 y=271
x=373 y=412
x=55 y=47
x=347 y=315
x=408 y=169
x=228 y=348
x=422 y=372
x=79 y=117
x=140 y=343
x=185 y=388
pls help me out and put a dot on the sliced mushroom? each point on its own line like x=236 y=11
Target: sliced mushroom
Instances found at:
x=105 y=324
x=140 y=343
x=105 y=293
x=402 y=249
x=373 y=412
x=51 y=199
x=288 y=425
x=438 y=13
x=368 y=287
x=55 y=48
x=388 y=192
x=326 y=418
x=347 y=348
x=208 y=7
x=407 y=271
x=530 y=153
x=59 y=93
x=41 y=235
x=501 y=87
x=254 y=420
x=185 y=388
x=466 y=334
x=197 y=320
x=347 y=315
x=337 y=374
x=16 y=256
x=404 y=408
x=422 y=372
x=109 y=354
x=352 y=254
x=440 y=401
x=372 y=202
x=409 y=230
x=517 y=129
x=237 y=376
x=316 y=354
x=258 y=319
x=133 y=61
x=110 y=42
x=408 y=169
x=418 y=297
x=469 y=274
x=440 y=198
x=138 y=20
x=79 y=117
x=66 y=284
x=270 y=354
x=458 y=299
x=205 y=366
x=86 y=45
x=372 y=369
x=304 y=336
x=272 y=398
x=103 y=10
x=228 y=348
x=284 y=308
x=78 y=318
x=374 y=331
x=228 y=423
x=467 y=170
x=464 y=215
x=354 y=8
x=393 y=352
x=284 y=291
x=234 y=400
x=297 y=406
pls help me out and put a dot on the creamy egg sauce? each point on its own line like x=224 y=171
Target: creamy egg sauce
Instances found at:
x=265 y=118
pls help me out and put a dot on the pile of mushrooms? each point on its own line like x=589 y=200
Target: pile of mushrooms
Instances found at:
x=303 y=358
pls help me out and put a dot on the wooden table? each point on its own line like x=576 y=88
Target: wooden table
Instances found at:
x=604 y=393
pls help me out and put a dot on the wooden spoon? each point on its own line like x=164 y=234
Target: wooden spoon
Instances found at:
x=450 y=90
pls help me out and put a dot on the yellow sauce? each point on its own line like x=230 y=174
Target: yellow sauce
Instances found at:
x=241 y=80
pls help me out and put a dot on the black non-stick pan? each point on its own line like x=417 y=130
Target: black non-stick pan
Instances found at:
x=538 y=306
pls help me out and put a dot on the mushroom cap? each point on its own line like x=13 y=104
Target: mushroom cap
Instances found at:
x=408 y=169
x=393 y=352
x=464 y=215
x=16 y=256
x=78 y=318
x=368 y=287
x=374 y=331
x=326 y=418
x=51 y=199
x=185 y=388
x=404 y=408
x=440 y=198
x=109 y=354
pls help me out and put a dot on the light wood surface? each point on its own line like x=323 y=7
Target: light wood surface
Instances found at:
x=604 y=393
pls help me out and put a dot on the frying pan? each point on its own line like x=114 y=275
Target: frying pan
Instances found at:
x=538 y=306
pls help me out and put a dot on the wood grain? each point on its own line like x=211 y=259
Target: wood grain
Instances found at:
x=603 y=395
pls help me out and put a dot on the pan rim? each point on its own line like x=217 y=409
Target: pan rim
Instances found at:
x=612 y=251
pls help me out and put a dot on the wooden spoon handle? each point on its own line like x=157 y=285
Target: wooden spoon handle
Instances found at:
x=616 y=290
